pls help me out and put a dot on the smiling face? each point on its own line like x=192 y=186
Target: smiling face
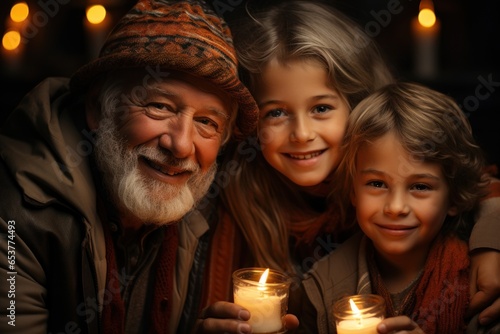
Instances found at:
x=302 y=121
x=158 y=150
x=401 y=203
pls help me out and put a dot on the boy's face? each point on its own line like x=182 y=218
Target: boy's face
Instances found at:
x=302 y=121
x=401 y=202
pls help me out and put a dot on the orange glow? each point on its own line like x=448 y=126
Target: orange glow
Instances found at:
x=426 y=17
x=96 y=14
x=11 y=40
x=19 y=12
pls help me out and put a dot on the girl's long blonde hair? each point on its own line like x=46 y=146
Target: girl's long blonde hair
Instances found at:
x=267 y=207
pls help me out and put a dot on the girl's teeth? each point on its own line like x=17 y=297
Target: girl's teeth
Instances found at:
x=306 y=156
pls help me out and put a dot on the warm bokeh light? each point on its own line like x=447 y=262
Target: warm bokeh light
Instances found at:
x=426 y=17
x=11 y=40
x=19 y=12
x=96 y=14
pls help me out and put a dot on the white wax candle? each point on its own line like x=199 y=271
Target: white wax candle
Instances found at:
x=358 y=326
x=265 y=310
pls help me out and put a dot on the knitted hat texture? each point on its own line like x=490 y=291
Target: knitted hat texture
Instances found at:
x=179 y=35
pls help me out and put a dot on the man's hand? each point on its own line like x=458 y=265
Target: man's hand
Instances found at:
x=485 y=286
x=225 y=317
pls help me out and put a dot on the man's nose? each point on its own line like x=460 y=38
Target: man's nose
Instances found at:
x=178 y=136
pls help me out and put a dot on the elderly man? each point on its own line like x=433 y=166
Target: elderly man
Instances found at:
x=96 y=173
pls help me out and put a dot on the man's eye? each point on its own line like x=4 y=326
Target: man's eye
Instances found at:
x=208 y=122
x=208 y=127
x=158 y=110
x=159 y=107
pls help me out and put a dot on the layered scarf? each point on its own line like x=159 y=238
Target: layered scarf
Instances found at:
x=224 y=256
x=312 y=214
x=313 y=236
x=438 y=302
x=305 y=228
x=113 y=314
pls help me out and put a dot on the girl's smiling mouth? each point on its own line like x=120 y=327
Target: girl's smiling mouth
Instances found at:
x=305 y=156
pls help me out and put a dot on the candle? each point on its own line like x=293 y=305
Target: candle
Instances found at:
x=12 y=51
x=264 y=293
x=425 y=29
x=265 y=310
x=363 y=326
x=97 y=25
x=359 y=314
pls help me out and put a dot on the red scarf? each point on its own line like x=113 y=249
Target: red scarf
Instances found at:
x=441 y=297
x=224 y=256
x=113 y=314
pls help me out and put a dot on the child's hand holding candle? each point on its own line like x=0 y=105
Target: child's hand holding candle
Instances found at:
x=264 y=293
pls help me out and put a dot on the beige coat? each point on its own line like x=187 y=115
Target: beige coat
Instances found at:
x=47 y=189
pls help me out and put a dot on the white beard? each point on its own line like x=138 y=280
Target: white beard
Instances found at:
x=148 y=199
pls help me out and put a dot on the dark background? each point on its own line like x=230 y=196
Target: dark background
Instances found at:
x=468 y=58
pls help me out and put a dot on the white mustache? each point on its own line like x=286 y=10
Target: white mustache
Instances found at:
x=165 y=157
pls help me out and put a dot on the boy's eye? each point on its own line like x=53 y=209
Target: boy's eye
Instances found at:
x=376 y=184
x=274 y=113
x=421 y=187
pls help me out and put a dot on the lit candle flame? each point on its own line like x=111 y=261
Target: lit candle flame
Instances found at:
x=426 y=15
x=355 y=310
x=263 y=280
x=427 y=18
x=96 y=14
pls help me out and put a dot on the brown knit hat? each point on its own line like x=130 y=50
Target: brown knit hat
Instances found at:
x=179 y=35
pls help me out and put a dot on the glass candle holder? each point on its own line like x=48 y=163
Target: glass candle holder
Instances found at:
x=265 y=295
x=359 y=314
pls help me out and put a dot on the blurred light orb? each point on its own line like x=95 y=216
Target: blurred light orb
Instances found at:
x=426 y=17
x=19 y=12
x=96 y=14
x=11 y=40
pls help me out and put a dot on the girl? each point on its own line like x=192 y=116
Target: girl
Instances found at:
x=415 y=176
x=307 y=66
